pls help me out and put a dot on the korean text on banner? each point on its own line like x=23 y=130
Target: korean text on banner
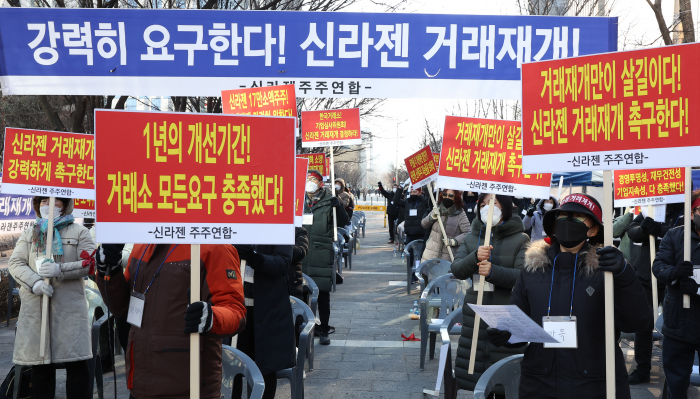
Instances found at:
x=262 y=101
x=83 y=208
x=436 y=157
x=194 y=178
x=612 y=111
x=51 y=164
x=484 y=155
x=330 y=128
x=300 y=190
x=324 y=54
x=421 y=168
x=649 y=186
x=317 y=161
x=16 y=213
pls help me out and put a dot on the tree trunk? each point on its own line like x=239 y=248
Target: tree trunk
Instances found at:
x=78 y=115
x=55 y=121
x=663 y=28
x=121 y=102
x=686 y=17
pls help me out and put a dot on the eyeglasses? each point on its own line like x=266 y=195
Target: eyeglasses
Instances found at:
x=576 y=218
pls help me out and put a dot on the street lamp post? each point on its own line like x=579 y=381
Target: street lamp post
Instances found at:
x=396 y=165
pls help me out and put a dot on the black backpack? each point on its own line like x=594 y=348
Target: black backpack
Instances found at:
x=7 y=388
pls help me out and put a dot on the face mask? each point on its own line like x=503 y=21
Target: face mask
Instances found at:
x=394 y=189
x=45 y=211
x=570 y=233
x=311 y=187
x=547 y=206
x=496 y=214
x=414 y=196
x=448 y=202
x=337 y=187
x=696 y=221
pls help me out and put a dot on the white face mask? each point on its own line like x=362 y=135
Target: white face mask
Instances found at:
x=337 y=187
x=496 y=214
x=45 y=211
x=394 y=189
x=547 y=206
x=311 y=187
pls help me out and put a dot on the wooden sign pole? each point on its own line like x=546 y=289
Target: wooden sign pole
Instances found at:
x=335 y=216
x=442 y=227
x=688 y=212
x=654 y=289
x=609 y=297
x=480 y=294
x=195 y=294
x=45 y=298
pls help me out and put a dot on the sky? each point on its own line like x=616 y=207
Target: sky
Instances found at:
x=637 y=25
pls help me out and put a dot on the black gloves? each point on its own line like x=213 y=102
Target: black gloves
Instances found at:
x=248 y=253
x=684 y=269
x=379 y=184
x=531 y=211
x=650 y=226
x=335 y=203
x=610 y=259
x=109 y=256
x=688 y=286
x=497 y=337
x=199 y=318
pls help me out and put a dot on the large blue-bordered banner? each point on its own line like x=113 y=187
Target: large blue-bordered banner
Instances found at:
x=325 y=54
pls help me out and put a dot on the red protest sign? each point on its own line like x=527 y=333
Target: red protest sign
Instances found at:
x=328 y=169
x=52 y=164
x=649 y=186
x=83 y=208
x=421 y=168
x=302 y=166
x=436 y=157
x=317 y=161
x=330 y=128
x=194 y=178
x=483 y=155
x=613 y=111
x=261 y=101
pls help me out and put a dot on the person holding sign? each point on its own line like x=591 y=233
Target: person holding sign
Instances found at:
x=561 y=288
x=499 y=264
x=534 y=215
x=318 y=263
x=681 y=326
x=456 y=223
x=69 y=327
x=153 y=293
x=392 y=209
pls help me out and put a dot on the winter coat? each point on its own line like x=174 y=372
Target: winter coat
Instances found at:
x=627 y=247
x=158 y=354
x=346 y=199
x=392 y=208
x=275 y=345
x=294 y=274
x=69 y=337
x=642 y=264
x=318 y=263
x=580 y=372
x=412 y=224
x=534 y=222
x=470 y=207
x=456 y=226
x=679 y=323
x=507 y=257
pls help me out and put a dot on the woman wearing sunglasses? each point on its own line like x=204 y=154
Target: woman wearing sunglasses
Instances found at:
x=561 y=288
x=500 y=264
x=456 y=223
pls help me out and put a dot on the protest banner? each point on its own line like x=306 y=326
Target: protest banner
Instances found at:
x=51 y=164
x=16 y=213
x=436 y=157
x=317 y=161
x=421 y=168
x=84 y=208
x=638 y=187
x=302 y=166
x=625 y=110
x=261 y=101
x=484 y=155
x=324 y=54
x=330 y=128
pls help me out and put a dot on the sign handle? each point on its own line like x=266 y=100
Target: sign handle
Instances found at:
x=442 y=227
x=335 y=216
x=195 y=294
x=480 y=294
x=686 y=226
x=609 y=297
x=44 y=298
x=654 y=288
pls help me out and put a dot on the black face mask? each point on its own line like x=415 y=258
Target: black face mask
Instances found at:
x=696 y=221
x=448 y=202
x=470 y=198
x=570 y=233
x=414 y=197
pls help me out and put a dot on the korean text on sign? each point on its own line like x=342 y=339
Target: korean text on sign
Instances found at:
x=317 y=161
x=484 y=155
x=649 y=186
x=330 y=128
x=421 y=168
x=83 y=208
x=205 y=178
x=612 y=111
x=263 y=101
x=51 y=164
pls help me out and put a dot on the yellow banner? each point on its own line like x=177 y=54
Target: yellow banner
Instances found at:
x=367 y=208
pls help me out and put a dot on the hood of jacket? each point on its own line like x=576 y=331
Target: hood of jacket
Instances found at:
x=342 y=183
x=514 y=225
x=537 y=257
x=540 y=204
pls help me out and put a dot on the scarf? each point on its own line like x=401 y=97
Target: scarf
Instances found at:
x=444 y=211
x=39 y=234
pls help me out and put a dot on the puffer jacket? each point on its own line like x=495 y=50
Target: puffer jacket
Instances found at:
x=294 y=274
x=412 y=224
x=346 y=199
x=534 y=222
x=507 y=256
x=456 y=226
x=69 y=339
